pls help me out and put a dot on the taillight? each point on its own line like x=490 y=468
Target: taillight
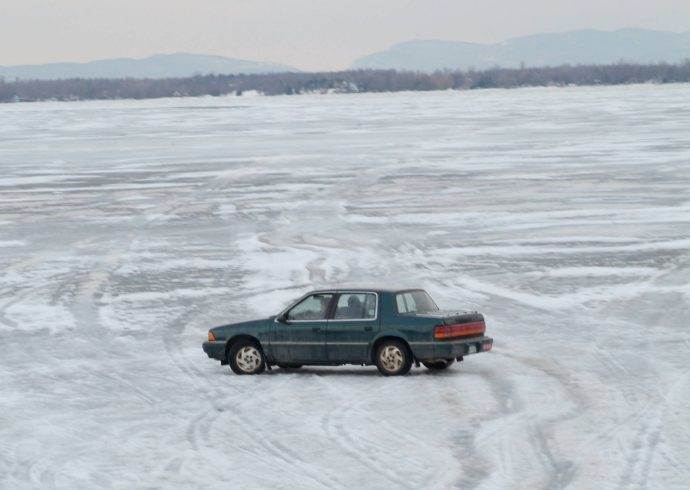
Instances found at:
x=459 y=330
x=211 y=337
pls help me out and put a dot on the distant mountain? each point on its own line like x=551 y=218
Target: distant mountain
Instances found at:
x=576 y=47
x=157 y=66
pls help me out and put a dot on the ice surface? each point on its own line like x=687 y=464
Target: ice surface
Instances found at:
x=128 y=228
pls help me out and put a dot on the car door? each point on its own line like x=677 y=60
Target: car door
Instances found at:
x=353 y=325
x=300 y=335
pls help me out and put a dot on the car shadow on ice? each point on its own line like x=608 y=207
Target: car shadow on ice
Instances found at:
x=368 y=371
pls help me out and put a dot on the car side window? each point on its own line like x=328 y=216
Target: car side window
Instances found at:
x=314 y=307
x=415 y=302
x=356 y=306
x=406 y=303
x=400 y=301
x=410 y=302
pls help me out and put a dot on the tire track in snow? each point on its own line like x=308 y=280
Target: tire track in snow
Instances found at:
x=42 y=471
x=364 y=452
x=86 y=315
x=199 y=427
x=560 y=471
x=639 y=460
x=474 y=466
x=644 y=449
x=337 y=424
x=15 y=299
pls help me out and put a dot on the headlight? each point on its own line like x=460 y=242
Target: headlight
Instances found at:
x=211 y=336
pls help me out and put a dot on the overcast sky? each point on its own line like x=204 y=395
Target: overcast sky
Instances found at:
x=307 y=34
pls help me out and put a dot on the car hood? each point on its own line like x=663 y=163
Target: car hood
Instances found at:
x=242 y=325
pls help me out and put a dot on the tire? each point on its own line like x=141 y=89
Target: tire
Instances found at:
x=439 y=365
x=393 y=358
x=289 y=366
x=246 y=357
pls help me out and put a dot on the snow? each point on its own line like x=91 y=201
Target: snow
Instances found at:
x=128 y=228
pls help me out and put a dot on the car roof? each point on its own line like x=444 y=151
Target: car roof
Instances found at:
x=358 y=289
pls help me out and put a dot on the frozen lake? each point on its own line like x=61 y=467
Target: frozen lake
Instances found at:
x=128 y=228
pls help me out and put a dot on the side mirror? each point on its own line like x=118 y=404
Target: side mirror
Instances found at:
x=282 y=318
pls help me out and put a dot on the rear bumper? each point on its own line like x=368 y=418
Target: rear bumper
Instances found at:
x=451 y=349
x=463 y=347
x=215 y=350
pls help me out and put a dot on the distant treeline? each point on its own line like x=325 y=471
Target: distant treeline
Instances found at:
x=351 y=81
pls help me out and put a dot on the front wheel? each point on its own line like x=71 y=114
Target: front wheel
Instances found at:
x=438 y=365
x=393 y=358
x=246 y=357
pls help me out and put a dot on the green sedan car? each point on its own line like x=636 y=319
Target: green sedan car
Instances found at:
x=392 y=329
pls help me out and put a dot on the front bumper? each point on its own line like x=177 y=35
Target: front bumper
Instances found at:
x=215 y=350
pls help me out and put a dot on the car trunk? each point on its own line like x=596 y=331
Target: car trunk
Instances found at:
x=454 y=317
x=457 y=324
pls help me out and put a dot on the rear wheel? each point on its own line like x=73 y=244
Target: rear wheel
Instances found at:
x=246 y=357
x=438 y=365
x=393 y=358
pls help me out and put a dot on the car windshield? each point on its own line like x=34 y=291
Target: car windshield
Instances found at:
x=415 y=302
x=312 y=307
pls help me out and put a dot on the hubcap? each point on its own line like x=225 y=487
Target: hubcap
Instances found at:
x=391 y=358
x=248 y=359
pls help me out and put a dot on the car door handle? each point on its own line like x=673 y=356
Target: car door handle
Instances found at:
x=316 y=329
x=368 y=329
